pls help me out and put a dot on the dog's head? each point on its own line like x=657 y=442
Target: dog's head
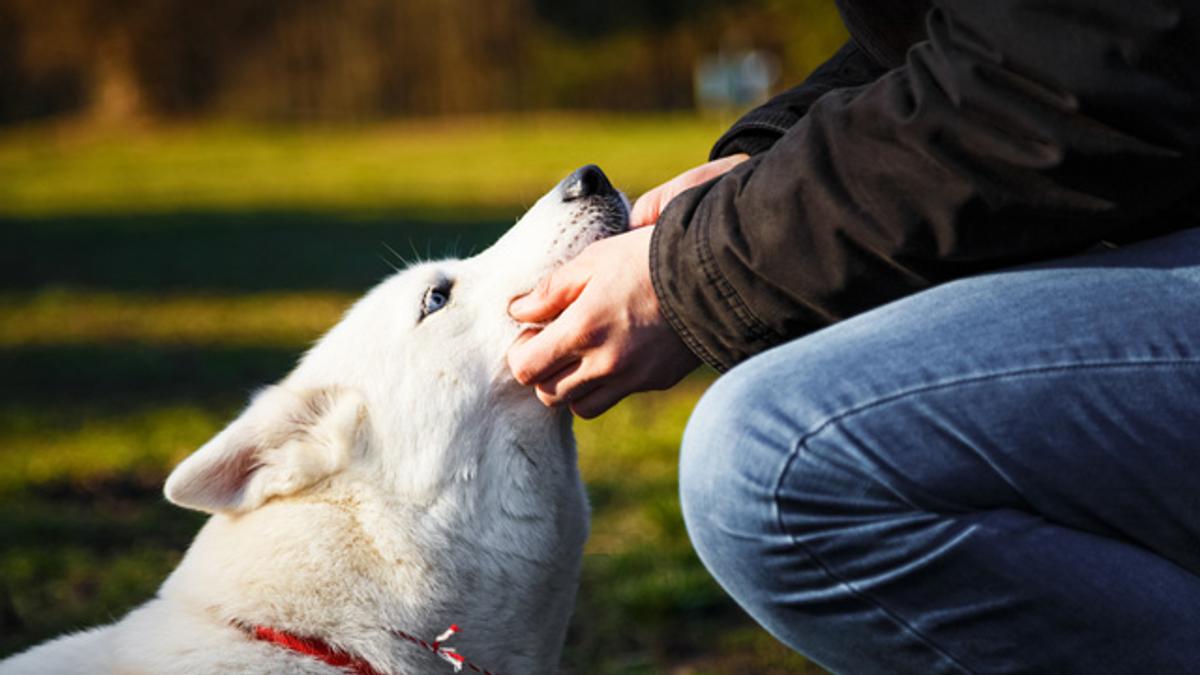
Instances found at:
x=411 y=389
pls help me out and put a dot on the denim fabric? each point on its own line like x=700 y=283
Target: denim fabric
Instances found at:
x=998 y=475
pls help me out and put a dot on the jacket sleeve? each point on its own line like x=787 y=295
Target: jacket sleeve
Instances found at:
x=758 y=129
x=1019 y=130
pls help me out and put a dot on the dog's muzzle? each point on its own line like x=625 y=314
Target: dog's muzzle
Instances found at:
x=589 y=184
x=586 y=181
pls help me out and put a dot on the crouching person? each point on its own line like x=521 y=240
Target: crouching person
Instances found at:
x=952 y=282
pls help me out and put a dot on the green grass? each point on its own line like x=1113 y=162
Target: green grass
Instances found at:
x=73 y=317
x=152 y=281
x=439 y=168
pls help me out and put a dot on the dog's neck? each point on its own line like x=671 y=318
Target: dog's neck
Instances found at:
x=381 y=565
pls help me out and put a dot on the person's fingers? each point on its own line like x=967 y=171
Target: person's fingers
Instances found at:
x=552 y=295
x=566 y=385
x=647 y=207
x=539 y=356
x=577 y=379
x=551 y=389
x=599 y=399
x=524 y=336
x=650 y=205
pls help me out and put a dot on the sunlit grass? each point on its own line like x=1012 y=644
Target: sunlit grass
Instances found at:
x=486 y=165
x=80 y=446
x=64 y=316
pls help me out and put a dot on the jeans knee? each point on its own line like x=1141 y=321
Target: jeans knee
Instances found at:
x=704 y=458
x=725 y=473
x=764 y=460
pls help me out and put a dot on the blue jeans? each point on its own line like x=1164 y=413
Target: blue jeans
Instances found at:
x=998 y=475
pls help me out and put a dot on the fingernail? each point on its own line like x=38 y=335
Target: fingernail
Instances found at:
x=518 y=305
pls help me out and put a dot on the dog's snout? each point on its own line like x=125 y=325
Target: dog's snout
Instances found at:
x=585 y=182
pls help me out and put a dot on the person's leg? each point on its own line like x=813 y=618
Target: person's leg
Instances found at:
x=1001 y=474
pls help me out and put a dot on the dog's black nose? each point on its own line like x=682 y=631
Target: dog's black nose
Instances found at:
x=586 y=181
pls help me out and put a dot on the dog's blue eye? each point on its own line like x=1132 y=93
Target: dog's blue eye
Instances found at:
x=435 y=299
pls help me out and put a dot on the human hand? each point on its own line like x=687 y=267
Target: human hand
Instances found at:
x=651 y=204
x=606 y=338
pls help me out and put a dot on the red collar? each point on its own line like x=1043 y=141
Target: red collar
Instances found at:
x=319 y=649
x=314 y=648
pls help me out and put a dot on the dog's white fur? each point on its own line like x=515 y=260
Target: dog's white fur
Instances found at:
x=397 y=479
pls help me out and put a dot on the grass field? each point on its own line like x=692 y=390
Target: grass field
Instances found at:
x=151 y=279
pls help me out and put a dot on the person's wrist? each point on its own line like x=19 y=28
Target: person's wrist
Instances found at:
x=661 y=242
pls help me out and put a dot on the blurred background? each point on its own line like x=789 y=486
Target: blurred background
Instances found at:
x=192 y=192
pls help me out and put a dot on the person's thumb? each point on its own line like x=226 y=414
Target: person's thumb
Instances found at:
x=554 y=293
x=646 y=209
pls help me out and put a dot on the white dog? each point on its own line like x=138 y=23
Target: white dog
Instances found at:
x=397 y=482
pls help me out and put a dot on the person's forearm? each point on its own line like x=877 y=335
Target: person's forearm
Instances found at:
x=998 y=142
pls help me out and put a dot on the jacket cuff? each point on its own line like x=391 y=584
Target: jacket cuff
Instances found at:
x=665 y=243
x=695 y=297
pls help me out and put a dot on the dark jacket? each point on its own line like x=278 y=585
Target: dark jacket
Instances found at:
x=944 y=140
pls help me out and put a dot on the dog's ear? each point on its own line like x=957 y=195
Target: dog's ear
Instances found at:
x=282 y=443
